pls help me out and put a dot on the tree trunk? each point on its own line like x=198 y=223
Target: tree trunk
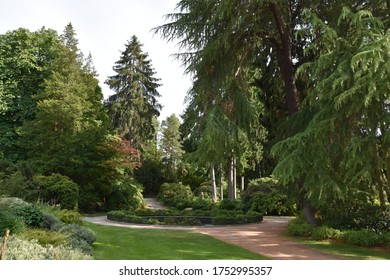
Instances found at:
x=234 y=178
x=230 y=179
x=242 y=183
x=306 y=207
x=220 y=182
x=284 y=58
x=213 y=183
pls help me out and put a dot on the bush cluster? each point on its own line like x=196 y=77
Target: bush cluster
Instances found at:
x=44 y=234
x=176 y=195
x=265 y=195
x=23 y=249
x=356 y=215
x=126 y=195
x=216 y=217
x=363 y=237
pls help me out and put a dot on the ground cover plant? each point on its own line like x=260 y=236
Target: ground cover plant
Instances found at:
x=116 y=243
x=41 y=232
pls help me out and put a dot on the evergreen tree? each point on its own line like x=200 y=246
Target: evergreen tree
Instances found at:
x=345 y=147
x=171 y=145
x=134 y=104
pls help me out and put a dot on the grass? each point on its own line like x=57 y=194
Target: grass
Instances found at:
x=116 y=243
x=346 y=251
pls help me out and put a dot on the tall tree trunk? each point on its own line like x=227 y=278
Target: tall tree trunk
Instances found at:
x=230 y=179
x=284 y=57
x=378 y=177
x=242 y=183
x=234 y=178
x=213 y=183
x=220 y=182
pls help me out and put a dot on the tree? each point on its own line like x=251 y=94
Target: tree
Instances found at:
x=24 y=65
x=225 y=38
x=344 y=148
x=70 y=123
x=171 y=145
x=134 y=104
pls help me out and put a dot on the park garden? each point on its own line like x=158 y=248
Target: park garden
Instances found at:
x=288 y=115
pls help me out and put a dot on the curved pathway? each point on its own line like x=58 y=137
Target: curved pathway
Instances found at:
x=262 y=238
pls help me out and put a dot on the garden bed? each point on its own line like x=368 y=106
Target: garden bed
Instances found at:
x=185 y=217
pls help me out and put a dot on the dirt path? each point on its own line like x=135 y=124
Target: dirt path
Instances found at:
x=262 y=238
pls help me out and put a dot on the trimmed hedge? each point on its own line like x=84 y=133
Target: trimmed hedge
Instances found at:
x=185 y=217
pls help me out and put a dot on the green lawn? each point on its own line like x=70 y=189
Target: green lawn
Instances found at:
x=346 y=251
x=116 y=243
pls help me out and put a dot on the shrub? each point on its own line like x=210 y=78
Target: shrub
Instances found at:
x=356 y=214
x=50 y=221
x=30 y=215
x=70 y=217
x=78 y=232
x=22 y=249
x=230 y=205
x=17 y=185
x=7 y=203
x=125 y=196
x=58 y=189
x=324 y=232
x=44 y=236
x=9 y=221
x=176 y=195
x=298 y=227
x=264 y=195
x=80 y=245
x=364 y=237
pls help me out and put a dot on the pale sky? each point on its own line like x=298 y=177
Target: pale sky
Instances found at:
x=103 y=27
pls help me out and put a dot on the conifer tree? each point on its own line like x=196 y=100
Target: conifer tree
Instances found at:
x=134 y=104
x=171 y=145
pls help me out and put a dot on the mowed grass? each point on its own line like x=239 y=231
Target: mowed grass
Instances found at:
x=116 y=243
x=346 y=251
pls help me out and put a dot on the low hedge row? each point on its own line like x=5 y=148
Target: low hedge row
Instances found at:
x=186 y=217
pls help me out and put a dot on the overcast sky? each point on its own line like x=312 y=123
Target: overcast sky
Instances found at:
x=103 y=27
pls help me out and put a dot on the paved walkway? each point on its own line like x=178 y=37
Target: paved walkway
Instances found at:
x=262 y=238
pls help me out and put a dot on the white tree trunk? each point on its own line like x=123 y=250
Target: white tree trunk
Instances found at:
x=213 y=183
x=234 y=177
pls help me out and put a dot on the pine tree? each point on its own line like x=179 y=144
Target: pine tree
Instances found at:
x=134 y=104
x=171 y=145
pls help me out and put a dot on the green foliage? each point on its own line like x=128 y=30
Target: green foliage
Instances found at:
x=176 y=195
x=364 y=237
x=9 y=220
x=230 y=205
x=134 y=105
x=324 y=233
x=17 y=185
x=57 y=189
x=266 y=195
x=22 y=249
x=357 y=214
x=298 y=227
x=44 y=236
x=30 y=215
x=70 y=217
x=126 y=195
x=171 y=145
x=78 y=232
x=150 y=175
x=199 y=217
